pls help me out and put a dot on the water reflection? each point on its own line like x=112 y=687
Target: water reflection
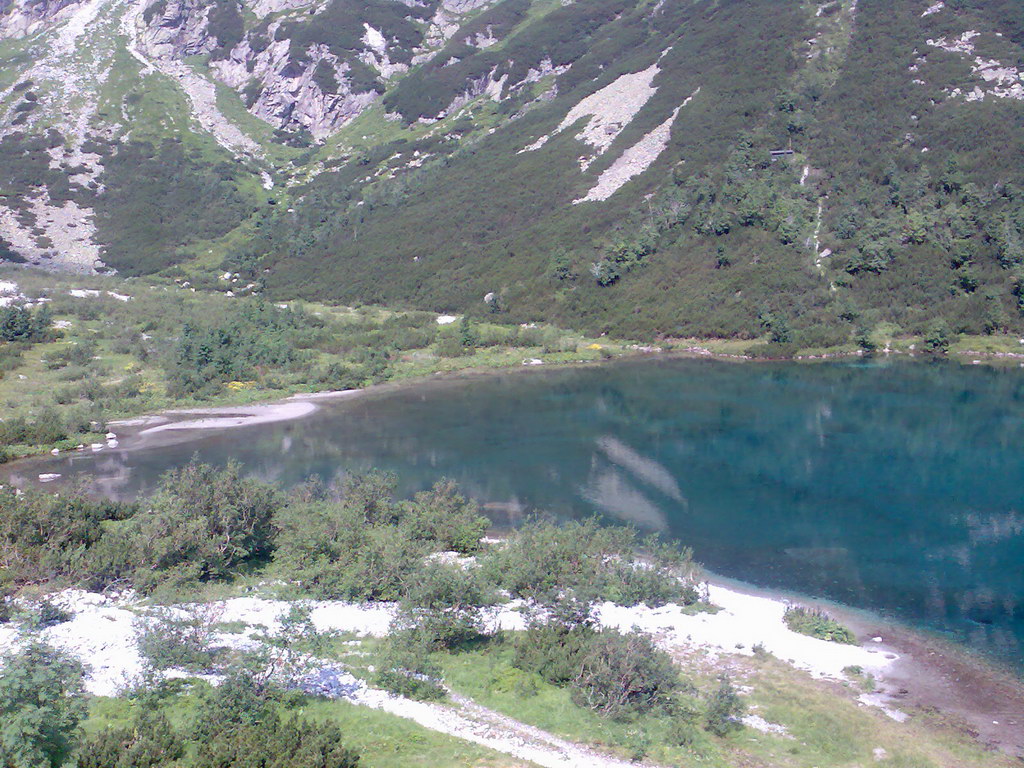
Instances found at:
x=897 y=488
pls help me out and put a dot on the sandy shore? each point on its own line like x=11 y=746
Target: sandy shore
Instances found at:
x=922 y=672
x=224 y=418
x=180 y=424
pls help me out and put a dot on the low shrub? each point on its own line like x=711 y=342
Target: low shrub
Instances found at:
x=238 y=725
x=724 y=709
x=50 y=615
x=443 y=517
x=817 y=623
x=404 y=667
x=443 y=604
x=176 y=640
x=621 y=676
x=594 y=561
x=149 y=742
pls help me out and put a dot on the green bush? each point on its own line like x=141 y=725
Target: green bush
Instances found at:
x=624 y=675
x=364 y=545
x=443 y=517
x=57 y=538
x=42 y=703
x=724 y=709
x=555 y=640
x=202 y=524
x=937 y=338
x=273 y=743
x=19 y=324
x=450 y=346
x=593 y=560
x=149 y=742
x=404 y=667
x=349 y=548
x=49 y=615
x=174 y=639
x=817 y=623
x=238 y=725
x=442 y=603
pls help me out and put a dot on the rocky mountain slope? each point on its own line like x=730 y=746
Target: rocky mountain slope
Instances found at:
x=819 y=171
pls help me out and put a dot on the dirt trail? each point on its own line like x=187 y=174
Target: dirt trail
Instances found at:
x=513 y=737
x=470 y=721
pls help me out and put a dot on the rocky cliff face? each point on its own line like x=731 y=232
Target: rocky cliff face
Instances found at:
x=310 y=86
x=21 y=18
x=177 y=28
x=285 y=92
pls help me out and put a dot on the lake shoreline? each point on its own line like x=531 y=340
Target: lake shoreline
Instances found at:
x=931 y=674
x=281 y=407
x=276 y=409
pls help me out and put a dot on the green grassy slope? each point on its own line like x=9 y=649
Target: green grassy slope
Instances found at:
x=901 y=207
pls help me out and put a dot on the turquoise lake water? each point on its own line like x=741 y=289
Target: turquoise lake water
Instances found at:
x=897 y=488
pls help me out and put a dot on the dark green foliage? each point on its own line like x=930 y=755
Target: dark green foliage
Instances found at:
x=364 y=545
x=242 y=699
x=275 y=743
x=25 y=170
x=46 y=428
x=561 y=36
x=325 y=78
x=158 y=199
x=624 y=675
x=937 y=337
x=619 y=676
x=202 y=524
x=405 y=668
x=594 y=561
x=6 y=602
x=442 y=604
x=339 y=27
x=724 y=709
x=238 y=726
x=17 y=323
x=555 y=640
x=177 y=640
x=150 y=742
x=49 y=615
x=349 y=548
x=226 y=25
x=443 y=516
x=777 y=328
x=54 y=538
x=817 y=623
x=41 y=705
x=257 y=335
x=7 y=252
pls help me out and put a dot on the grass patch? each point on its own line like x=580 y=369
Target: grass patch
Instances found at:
x=486 y=675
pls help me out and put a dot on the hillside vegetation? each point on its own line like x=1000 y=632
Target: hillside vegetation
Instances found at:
x=817 y=172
